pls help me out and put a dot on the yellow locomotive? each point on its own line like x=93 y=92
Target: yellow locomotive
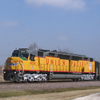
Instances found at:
x=42 y=65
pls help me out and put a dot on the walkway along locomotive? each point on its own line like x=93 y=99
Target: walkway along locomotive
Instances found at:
x=42 y=65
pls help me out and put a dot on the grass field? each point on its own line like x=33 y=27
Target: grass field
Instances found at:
x=11 y=93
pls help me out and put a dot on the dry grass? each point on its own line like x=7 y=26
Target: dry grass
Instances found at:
x=1 y=74
x=11 y=93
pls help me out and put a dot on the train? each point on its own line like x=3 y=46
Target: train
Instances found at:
x=43 y=65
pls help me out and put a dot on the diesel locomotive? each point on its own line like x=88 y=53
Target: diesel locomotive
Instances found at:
x=43 y=65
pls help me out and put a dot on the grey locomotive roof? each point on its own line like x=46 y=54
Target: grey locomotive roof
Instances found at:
x=61 y=53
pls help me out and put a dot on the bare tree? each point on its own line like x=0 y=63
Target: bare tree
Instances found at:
x=33 y=47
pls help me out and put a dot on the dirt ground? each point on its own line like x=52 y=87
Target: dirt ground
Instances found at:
x=56 y=96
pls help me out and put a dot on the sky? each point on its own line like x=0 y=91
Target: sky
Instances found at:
x=73 y=25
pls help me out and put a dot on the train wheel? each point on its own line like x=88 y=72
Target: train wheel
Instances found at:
x=77 y=79
x=73 y=79
x=16 y=81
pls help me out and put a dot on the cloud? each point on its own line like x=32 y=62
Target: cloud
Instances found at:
x=9 y=24
x=67 y=4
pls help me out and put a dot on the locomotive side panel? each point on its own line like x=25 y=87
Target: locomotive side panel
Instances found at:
x=29 y=65
x=75 y=66
x=89 y=67
x=16 y=63
x=54 y=64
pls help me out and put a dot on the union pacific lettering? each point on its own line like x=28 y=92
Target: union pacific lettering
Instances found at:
x=55 y=62
x=79 y=63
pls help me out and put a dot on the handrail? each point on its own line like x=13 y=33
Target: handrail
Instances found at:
x=20 y=68
x=51 y=71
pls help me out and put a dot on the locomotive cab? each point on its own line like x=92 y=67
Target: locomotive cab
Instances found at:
x=15 y=65
x=22 y=53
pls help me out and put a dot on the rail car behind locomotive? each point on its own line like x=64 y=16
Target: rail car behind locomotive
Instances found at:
x=42 y=65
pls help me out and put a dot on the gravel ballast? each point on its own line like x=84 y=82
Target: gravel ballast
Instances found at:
x=47 y=85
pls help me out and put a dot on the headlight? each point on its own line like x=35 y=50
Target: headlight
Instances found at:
x=4 y=72
x=14 y=72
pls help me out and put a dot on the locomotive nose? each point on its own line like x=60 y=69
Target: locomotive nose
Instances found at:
x=9 y=60
x=11 y=63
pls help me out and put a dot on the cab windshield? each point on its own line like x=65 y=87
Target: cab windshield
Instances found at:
x=20 y=53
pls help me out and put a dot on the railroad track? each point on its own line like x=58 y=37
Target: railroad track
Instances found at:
x=51 y=81
x=47 y=85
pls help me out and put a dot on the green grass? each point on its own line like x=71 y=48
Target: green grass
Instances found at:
x=11 y=93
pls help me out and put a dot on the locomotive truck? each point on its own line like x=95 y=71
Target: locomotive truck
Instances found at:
x=43 y=65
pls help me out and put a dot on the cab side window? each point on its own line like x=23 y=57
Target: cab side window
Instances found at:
x=32 y=57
